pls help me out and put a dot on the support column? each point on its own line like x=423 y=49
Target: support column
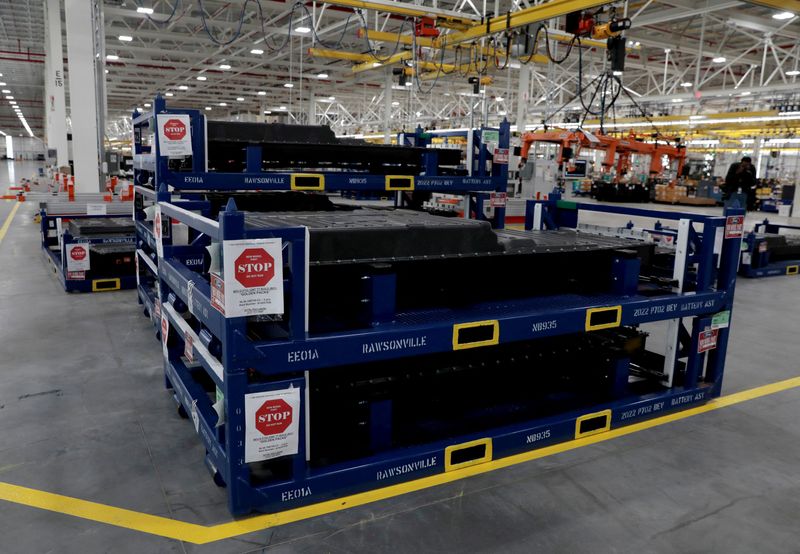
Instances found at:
x=387 y=106
x=523 y=97
x=85 y=109
x=55 y=105
x=312 y=107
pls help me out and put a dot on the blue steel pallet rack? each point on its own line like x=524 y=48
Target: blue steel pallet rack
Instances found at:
x=57 y=256
x=152 y=172
x=223 y=352
x=756 y=260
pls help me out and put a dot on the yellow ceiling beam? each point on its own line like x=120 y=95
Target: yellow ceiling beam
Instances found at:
x=372 y=63
x=340 y=55
x=520 y=18
x=383 y=36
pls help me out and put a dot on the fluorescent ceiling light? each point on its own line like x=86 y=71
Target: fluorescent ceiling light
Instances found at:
x=2 y=84
x=697 y=117
x=322 y=75
x=6 y=91
x=256 y=51
x=12 y=102
x=262 y=93
x=793 y=72
x=125 y=38
x=503 y=112
x=499 y=98
x=283 y=108
x=169 y=94
x=112 y=57
x=719 y=59
x=617 y=73
x=148 y=11
x=746 y=93
x=687 y=84
x=208 y=108
x=677 y=100
x=240 y=99
x=302 y=30
x=331 y=98
x=223 y=104
x=395 y=103
x=288 y=85
x=782 y=15
x=106 y=71
x=267 y=112
x=183 y=87
x=224 y=66
x=202 y=78
x=9 y=97
x=147 y=105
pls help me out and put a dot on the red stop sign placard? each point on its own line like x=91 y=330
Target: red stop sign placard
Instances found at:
x=254 y=267
x=273 y=417
x=174 y=129
x=78 y=253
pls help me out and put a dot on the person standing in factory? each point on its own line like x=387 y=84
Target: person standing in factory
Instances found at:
x=742 y=176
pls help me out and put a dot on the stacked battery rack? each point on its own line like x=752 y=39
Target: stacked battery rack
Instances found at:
x=188 y=177
x=323 y=354
x=772 y=249
x=88 y=241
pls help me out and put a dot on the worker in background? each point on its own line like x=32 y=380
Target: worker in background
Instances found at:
x=742 y=176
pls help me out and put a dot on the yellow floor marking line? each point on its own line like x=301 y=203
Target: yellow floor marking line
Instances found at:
x=7 y=223
x=201 y=534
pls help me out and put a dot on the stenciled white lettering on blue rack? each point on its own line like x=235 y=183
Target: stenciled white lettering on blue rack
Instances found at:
x=538 y=436
x=394 y=344
x=696 y=305
x=302 y=355
x=436 y=182
x=687 y=398
x=294 y=494
x=357 y=180
x=410 y=467
x=647 y=409
x=264 y=180
x=539 y=326
x=198 y=180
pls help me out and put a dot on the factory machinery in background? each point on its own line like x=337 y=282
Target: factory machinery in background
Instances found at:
x=612 y=179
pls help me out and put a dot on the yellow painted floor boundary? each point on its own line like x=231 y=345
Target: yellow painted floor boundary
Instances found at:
x=201 y=534
x=7 y=222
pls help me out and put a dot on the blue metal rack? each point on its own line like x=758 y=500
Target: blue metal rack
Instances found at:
x=201 y=345
x=756 y=256
x=56 y=253
x=152 y=172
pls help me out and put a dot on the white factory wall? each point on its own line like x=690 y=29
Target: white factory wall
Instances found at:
x=26 y=148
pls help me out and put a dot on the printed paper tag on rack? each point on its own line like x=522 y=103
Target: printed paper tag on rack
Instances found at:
x=707 y=340
x=188 y=346
x=174 y=135
x=498 y=199
x=157 y=232
x=95 y=209
x=78 y=257
x=734 y=227
x=272 y=424
x=217 y=293
x=136 y=263
x=721 y=320
x=164 y=333
x=253 y=277
x=501 y=155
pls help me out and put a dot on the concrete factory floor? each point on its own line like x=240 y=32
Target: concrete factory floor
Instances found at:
x=83 y=413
